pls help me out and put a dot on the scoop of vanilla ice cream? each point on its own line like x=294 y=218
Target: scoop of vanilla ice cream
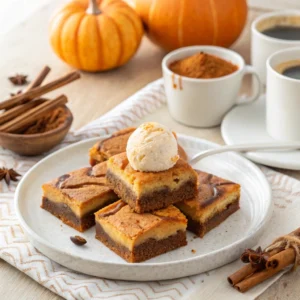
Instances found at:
x=152 y=147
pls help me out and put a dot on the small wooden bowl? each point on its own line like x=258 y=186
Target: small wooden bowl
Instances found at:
x=36 y=144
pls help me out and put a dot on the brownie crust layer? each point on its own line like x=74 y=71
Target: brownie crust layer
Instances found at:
x=200 y=229
x=153 y=201
x=150 y=248
x=66 y=215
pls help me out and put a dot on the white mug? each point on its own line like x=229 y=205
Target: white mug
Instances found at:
x=283 y=98
x=262 y=46
x=204 y=102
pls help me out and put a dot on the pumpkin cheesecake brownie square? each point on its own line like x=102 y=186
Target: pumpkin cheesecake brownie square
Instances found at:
x=111 y=146
x=116 y=144
x=138 y=237
x=216 y=200
x=76 y=196
x=148 y=191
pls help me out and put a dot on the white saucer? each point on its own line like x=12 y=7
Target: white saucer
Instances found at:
x=219 y=247
x=246 y=124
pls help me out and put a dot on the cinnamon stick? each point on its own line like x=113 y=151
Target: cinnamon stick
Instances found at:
x=16 y=125
x=261 y=276
x=38 y=80
x=285 y=257
x=39 y=91
x=18 y=110
x=242 y=273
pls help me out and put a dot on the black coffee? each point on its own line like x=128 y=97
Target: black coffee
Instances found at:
x=292 y=72
x=289 y=68
x=283 y=32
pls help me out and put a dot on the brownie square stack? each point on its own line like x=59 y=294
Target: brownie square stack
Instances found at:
x=149 y=191
x=139 y=215
x=145 y=223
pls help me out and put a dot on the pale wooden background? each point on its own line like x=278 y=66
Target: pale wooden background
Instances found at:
x=14 y=284
x=275 y=4
x=14 y=11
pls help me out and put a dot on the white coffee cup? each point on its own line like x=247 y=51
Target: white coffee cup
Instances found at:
x=283 y=98
x=262 y=46
x=204 y=102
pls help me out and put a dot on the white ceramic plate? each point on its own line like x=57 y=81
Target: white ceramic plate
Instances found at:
x=246 y=124
x=220 y=246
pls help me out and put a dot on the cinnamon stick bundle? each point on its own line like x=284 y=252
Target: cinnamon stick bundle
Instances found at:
x=17 y=110
x=26 y=112
x=251 y=268
x=262 y=265
x=283 y=259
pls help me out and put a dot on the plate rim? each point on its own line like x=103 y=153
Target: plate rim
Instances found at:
x=254 y=156
x=41 y=241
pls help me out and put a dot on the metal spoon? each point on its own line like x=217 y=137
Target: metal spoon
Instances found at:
x=245 y=148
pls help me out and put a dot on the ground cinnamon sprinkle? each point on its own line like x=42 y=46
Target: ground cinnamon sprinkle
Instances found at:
x=202 y=65
x=48 y=122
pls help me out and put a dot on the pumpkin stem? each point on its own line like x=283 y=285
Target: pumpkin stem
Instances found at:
x=93 y=8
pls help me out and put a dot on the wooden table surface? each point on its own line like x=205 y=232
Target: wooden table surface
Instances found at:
x=25 y=49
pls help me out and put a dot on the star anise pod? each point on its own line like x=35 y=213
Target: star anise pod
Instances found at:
x=18 y=79
x=245 y=256
x=8 y=175
x=254 y=257
x=17 y=93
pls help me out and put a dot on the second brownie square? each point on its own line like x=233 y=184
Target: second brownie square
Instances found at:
x=148 y=191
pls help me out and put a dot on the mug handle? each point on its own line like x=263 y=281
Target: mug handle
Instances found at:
x=256 y=87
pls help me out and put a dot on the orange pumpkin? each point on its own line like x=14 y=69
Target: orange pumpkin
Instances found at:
x=172 y=23
x=96 y=35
